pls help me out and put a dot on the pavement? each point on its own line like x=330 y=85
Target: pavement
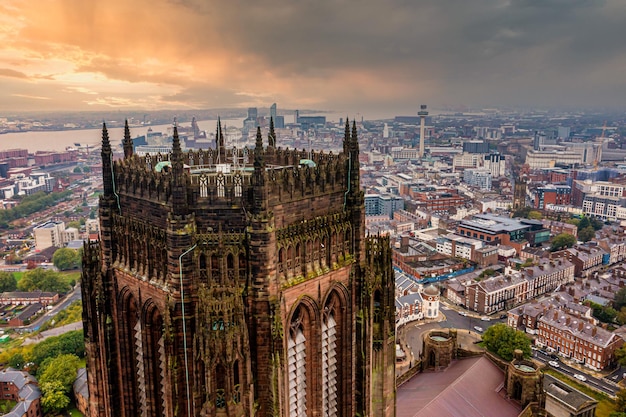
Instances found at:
x=53 y=332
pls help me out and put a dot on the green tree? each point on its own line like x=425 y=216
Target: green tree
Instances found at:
x=86 y=168
x=62 y=368
x=620 y=355
x=53 y=400
x=596 y=224
x=7 y=282
x=65 y=259
x=16 y=360
x=77 y=170
x=584 y=222
x=70 y=342
x=535 y=215
x=620 y=400
x=587 y=234
x=43 y=280
x=503 y=340
x=620 y=299
x=562 y=241
x=74 y=224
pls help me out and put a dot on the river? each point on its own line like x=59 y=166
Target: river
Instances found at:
x=61 y=139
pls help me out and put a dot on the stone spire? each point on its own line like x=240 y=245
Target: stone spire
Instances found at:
x=354 y=159
x=179 y=183
x=177 y=153
x=346 y=137
x=219 y=142
x=271 y=136
x=258 y=149
x=128 y=142
x=107 y=162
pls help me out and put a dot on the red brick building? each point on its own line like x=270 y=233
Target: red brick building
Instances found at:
x=578 y=339
x=21 y=387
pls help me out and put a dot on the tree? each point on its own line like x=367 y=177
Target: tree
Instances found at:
x=620 y=355
x=620 y=299
x=70 y=342
x=42 y=280
x=65 y=259
x=584 y=222
x=535 y=215
x=61 y=369
x=54 y=399
x=77 y=170
x=7 y=282
x=620 y=400
x=16 y=360
x=86 y=168
x=587 y=234
x=503 y=340
x=562 y=241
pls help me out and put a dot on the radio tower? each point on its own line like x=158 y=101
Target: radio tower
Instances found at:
x=422 y=114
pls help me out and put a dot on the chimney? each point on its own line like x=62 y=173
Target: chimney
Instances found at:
x=541 y=267
x=556 y=315
x=405 y=241
x=594 y=331
x=567 y=321
x=581 y=325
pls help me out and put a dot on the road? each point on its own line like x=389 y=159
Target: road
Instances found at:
x=69 y=299
x=602 y=384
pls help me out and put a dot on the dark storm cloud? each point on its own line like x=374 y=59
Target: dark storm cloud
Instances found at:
x=471 y=49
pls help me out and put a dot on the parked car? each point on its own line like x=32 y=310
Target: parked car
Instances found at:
x=580 y=377
x=478 y=329
x=503 y=316
x=553 y=364
x=485 y=319
x=463 y=313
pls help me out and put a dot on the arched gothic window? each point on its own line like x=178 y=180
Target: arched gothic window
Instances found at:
x=296 y=362
x=330 y=355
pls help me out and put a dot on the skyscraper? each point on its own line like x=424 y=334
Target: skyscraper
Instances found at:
x=243 y=291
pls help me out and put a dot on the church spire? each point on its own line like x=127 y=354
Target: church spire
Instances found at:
x=128 y=142
x=219 y=142
x=258 y=148
x=346 y=137
x=177 y=152
x=107 y=162
x=271 y=136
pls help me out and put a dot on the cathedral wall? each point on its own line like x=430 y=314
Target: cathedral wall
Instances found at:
x=307 y=208
x=316 y=288
x=142 y=289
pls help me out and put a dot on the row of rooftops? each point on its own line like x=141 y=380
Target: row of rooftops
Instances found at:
x=578 y=327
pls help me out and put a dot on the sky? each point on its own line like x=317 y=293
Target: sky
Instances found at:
x=368 y=57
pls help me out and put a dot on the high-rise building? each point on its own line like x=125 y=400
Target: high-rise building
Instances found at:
x=244 y=290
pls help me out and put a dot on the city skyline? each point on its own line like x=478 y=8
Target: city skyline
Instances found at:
x=370 y=58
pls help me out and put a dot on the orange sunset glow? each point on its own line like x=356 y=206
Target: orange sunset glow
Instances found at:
x=335 y=54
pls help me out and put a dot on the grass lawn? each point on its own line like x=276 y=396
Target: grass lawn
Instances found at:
x=605 y=404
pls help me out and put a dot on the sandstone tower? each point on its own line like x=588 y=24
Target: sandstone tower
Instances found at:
x=237 y=282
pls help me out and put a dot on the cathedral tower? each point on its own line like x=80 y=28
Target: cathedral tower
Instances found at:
x=247 y=291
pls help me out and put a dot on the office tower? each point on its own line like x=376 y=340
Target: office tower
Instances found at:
x=422 y=114
x=244 y=291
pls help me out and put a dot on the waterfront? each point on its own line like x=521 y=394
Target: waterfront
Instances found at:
x=59 y=140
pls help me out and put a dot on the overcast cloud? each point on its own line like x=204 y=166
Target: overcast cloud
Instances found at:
x=359 y=56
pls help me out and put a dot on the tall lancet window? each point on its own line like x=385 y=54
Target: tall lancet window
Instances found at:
x=329 y=364
x=296 y=360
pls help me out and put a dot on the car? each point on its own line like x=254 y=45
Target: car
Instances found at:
x=502 y=316
x=478 y=329
x=580 y=377
x=485 y=319
x=553 y=364
x=463 y=313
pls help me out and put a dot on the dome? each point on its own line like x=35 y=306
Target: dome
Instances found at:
x=431 y=290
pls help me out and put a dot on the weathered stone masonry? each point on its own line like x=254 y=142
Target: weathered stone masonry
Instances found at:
x=237 y=291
